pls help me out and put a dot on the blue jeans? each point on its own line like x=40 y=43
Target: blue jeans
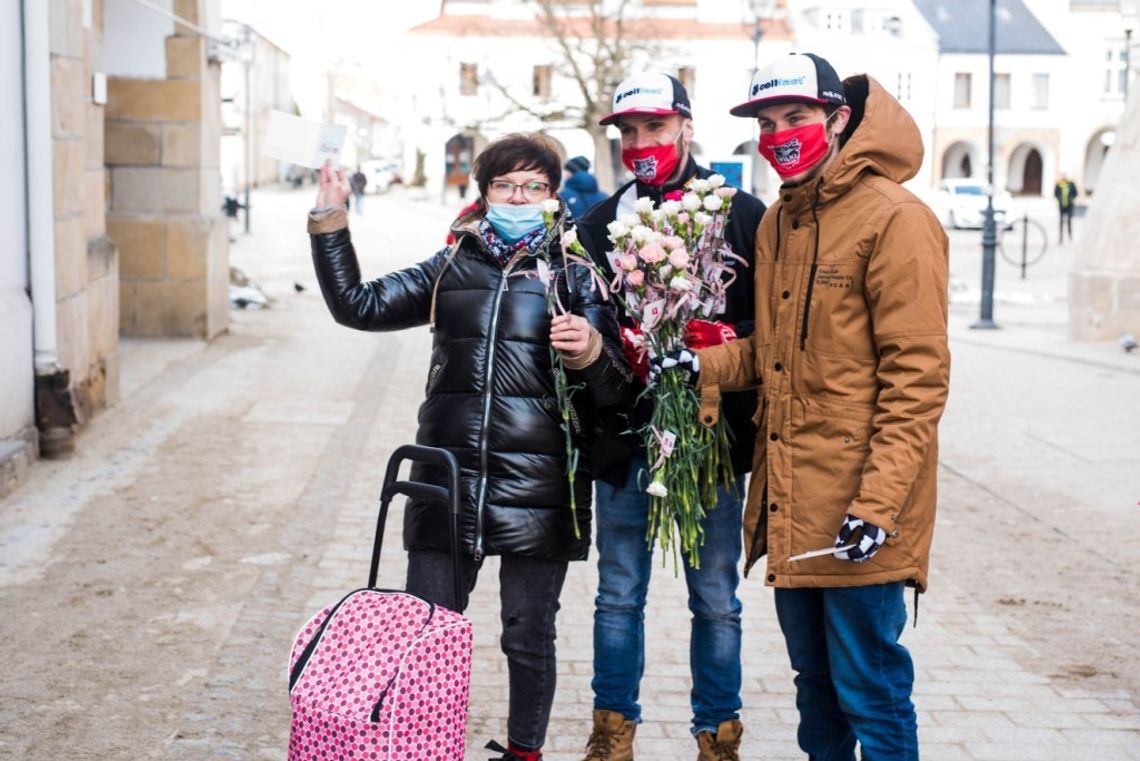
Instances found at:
x=853 y=678
x=624 y=563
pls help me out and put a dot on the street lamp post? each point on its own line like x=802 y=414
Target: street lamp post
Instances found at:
x=989 y=228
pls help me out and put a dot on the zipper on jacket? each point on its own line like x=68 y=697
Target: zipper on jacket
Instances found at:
x=811 y=274
x=434 y=372
x=488 y=384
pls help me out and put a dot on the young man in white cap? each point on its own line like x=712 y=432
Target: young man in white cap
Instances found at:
x=653 y=114
x=850 y=350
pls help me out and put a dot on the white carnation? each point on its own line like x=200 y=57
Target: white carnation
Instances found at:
x=551 y=205
x=657 y=489
x=699 y=186
x=701 y=218
x=680 y=283
x=570 y=237
x=671 y=207
x=657 y=216
x=713 y=203
x=691 y=201
x=629 y=220
x=643 y=205
x=618 y=229
x=716 y=181
x=640 y=233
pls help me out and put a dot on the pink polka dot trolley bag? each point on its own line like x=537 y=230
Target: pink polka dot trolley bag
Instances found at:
x=383 y=675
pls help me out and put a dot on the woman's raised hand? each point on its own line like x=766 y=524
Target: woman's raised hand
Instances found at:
x=333 y=189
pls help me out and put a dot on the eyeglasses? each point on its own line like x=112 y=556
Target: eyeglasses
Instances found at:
x=531 y=190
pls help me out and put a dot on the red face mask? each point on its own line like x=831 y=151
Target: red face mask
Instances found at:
x=795 y=151
x=653 y=164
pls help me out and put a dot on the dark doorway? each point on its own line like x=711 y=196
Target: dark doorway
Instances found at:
x=1032 y=174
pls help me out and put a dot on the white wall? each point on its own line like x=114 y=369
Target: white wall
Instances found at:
x=16 y=371
x=134 y=40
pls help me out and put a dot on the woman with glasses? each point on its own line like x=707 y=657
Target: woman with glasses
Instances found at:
x=491 y=398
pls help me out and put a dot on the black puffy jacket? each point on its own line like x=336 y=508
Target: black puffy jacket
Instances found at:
x=490 y=390
x=614 y=445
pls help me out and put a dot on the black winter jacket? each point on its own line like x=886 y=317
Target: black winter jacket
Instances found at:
x=490 y=389
x=614 y=445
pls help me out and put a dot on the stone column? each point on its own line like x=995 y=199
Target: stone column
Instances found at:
x=162 y=149
x=1104 y=280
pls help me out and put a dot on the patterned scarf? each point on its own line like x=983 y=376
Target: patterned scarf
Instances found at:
x=504 y=251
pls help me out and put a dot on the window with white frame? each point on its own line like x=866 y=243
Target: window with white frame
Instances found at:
x=902 y=88
x=962 y=89
x=1040 y=91
x=1002 y=91
x=1115 y=70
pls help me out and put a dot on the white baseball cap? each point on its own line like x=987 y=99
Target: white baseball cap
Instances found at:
x=649 y=94
x=796 y=77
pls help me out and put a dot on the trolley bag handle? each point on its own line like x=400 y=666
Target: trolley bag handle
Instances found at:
x=426 y=493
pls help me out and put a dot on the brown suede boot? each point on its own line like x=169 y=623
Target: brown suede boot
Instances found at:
x=724 y=745
x=612 y=738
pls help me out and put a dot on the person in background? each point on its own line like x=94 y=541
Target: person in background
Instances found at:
x=490 y=400
x=851 y=352
x=653 y=114
x=1065 y=191
x=580 y=191
x=357 y=182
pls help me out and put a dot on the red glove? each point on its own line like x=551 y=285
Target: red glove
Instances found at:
x=701 y=334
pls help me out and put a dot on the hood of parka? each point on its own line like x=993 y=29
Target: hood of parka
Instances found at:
x=881 y=138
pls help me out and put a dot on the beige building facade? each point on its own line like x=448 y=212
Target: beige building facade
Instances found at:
x=116 y=195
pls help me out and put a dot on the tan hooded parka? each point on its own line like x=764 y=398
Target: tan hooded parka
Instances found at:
x=851 y=356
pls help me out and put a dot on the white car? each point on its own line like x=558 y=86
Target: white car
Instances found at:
x=381 y=174
x=962 y=203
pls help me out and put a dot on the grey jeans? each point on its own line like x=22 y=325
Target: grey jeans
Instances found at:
x=529 y=589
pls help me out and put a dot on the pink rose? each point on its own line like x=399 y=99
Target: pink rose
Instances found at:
x=683 y=218
x=679 y=258
x=652 y=253
x=635 y=279
x=725 y=192
x=671 y=242
x=628 y=262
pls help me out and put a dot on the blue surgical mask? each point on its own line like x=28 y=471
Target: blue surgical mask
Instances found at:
x=513 y=221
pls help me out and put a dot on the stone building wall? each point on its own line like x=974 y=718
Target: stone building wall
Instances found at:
x=162 y=153
x=86 y=262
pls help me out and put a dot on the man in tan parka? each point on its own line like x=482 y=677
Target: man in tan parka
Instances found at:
x=850 y=354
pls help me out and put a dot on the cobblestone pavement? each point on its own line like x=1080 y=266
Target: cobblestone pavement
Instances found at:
x=152 y=583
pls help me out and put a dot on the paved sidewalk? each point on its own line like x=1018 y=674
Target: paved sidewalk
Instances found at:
x=158 y=576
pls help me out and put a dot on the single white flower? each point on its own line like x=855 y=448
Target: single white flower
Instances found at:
x=716 y=181
x=671 y=207
x=657 y=216
x=643 y=205
x=629 y=220
x=655 y=236
x=680 y=283
x=701 y=218
x=640 y=233
x=570 y=237
x=551 y=205
x=713 y=202
x=699 y=186
x=657 y=489
x=691 y=201
x=618 y=229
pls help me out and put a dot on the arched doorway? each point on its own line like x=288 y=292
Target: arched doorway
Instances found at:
x=458 y=154
x=1095 y=154
x=961 y=160
x=1026 y=171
